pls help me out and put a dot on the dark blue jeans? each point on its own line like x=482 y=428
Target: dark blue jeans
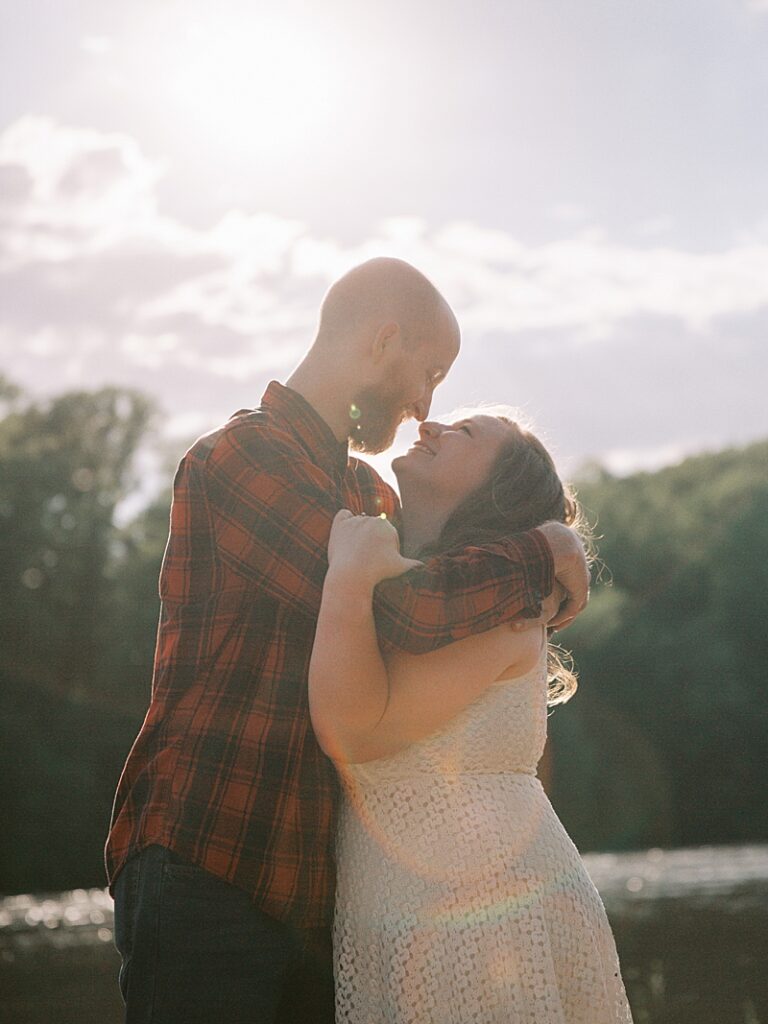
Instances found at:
x=196 y=951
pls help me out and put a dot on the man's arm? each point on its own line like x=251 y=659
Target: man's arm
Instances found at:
x=271 y=512
x=465 y=592
x=476 y=589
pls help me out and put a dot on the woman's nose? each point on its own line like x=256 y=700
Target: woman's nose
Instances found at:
x=430 y=429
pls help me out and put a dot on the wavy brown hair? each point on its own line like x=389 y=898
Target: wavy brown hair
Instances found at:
x=522 y=491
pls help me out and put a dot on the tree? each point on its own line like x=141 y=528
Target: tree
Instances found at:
x=672 y=659
x=64 y=465
x=663 y=744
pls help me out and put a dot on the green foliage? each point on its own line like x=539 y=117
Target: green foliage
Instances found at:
x=63 y=468
x=664 y=743
x=59 y=762
x=77 y=620
x=133 y=602
x=672 y=658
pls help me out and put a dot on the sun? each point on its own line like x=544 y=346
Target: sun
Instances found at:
x=259 y=85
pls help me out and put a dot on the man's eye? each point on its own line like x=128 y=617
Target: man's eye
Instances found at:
x=465 y=427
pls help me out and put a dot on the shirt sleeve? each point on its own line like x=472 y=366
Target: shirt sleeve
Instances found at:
x=271 y=511
x=462 y=593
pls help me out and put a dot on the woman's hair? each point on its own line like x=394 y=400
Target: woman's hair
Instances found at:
x=522 y=491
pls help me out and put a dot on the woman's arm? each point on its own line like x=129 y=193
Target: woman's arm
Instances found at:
x=363 y=708
x=348 y=684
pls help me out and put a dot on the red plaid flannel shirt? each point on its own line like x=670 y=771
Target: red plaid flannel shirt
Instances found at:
x=226 y=771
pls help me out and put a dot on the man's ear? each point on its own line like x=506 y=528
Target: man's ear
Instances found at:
x=386 y=340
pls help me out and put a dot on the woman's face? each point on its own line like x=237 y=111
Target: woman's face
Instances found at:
x=450 y=461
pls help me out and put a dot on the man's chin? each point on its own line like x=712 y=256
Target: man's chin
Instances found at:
x=372 y=445
x=365 y=447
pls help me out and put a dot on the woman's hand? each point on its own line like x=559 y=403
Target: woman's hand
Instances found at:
x=366 y=549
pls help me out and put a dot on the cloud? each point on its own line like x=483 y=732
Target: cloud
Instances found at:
x=622 y=461
x=85 y=203
x=654 y=226
x=568 y=213
x=76 y=191
x=98 y=284
x=97 y=46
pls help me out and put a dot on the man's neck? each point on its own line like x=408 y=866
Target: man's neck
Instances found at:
x=324 y=392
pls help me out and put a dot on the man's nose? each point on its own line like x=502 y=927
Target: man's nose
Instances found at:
x=422 y=407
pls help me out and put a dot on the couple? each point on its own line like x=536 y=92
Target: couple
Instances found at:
x=336 y=723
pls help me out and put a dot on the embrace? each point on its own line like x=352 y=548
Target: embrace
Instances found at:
x=331 y=811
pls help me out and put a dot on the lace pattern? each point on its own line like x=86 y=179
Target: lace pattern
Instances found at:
x=460 y=897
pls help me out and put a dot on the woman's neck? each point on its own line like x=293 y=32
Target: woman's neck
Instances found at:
x=422 y=521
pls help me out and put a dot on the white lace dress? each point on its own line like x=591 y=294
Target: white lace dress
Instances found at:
x=461 y=899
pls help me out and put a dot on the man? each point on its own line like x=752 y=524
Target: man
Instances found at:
x=220 y=852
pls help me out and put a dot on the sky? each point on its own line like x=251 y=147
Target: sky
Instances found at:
x=586 y=181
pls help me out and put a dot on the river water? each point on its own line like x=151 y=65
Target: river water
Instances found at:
x=691 y=927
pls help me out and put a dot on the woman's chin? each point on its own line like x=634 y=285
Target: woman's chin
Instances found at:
x=412 y=473
x=399 y=463
x=405 y=463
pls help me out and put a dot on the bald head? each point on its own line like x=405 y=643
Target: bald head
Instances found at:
x=381 y=290
x=385 y=340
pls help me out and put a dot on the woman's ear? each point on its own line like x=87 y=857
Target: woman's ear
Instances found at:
x=386 y=341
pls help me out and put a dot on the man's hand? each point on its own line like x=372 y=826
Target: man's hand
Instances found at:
x=551 y=607
x=571 y=572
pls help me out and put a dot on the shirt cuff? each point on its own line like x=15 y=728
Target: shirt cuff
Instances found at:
x=540 y=571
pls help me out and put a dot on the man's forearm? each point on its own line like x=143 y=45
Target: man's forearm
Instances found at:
x=468 y=592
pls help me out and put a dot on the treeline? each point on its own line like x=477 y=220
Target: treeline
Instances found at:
x=662 y=745
x=78 y=613
x=665 y=742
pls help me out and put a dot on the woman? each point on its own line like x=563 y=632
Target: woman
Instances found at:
x=460 y=896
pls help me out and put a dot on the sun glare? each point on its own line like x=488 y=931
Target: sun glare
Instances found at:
x=259 y=86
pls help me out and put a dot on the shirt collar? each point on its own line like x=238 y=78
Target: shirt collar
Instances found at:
x=308 y=426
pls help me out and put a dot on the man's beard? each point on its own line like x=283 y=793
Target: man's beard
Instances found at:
x=373 y=420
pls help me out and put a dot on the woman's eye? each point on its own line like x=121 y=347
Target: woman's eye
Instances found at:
x=465 y=427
